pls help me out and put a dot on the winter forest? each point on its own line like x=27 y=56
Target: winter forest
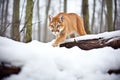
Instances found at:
x=30 y=51
x=26 y=20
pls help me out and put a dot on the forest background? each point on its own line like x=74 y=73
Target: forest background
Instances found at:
x=26 y=20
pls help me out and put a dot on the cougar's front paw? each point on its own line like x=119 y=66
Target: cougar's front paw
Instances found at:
x=55 y=45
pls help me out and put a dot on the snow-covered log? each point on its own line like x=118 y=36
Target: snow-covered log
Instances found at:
x=6 y=71
x=41 y=61
x=88 y=44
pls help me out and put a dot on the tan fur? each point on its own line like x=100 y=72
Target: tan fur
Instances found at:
x=64 y=24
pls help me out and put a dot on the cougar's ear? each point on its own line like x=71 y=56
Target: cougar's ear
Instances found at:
x=61 y=18
x=50 y=18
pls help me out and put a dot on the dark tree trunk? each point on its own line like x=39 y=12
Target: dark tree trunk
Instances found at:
x=109 y=15
x=85 y=12
x=38 y=14
x=29 y=12
x=65 y=6
x=2 y=2
x=15 y=21
x=93 y=15
x=115 y=14
x=101 y=19
x=3 y=16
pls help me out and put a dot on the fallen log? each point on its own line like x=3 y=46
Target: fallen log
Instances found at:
x=6 y=71
x=114 y=71
x=88 y=44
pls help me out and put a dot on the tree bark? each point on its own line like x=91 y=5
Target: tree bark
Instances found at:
x=65 y=6
x=3 y=16
x=6 y=12
x=109 y=15
x=115 y=13
x=85 y=12
x=101 y=19
x=46 y=19
x=93 y=15
x=29 y=12
x=15 y=21
x=38 y=14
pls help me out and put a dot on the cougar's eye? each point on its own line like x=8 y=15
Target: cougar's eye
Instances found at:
x=52 y=26
x=58 y=26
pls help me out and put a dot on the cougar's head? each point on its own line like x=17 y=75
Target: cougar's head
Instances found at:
x=56 y=24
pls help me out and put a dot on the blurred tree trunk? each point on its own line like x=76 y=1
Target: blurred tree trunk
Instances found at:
x=3 y=16
x=118 y=16
x=115 y=13
x=65 y=6
x=38 y=14
x=93 y=15
x=101 y=19
x=15 y=21
x=85 y=12
x=2 y=3
x=46 y=19
x=109 y=15
x=28 y=18
x=6 y=12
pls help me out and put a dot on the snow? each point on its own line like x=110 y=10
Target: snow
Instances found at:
x=104 y=35
x=41 y=61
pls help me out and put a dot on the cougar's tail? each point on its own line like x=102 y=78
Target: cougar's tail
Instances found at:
x=80 y=26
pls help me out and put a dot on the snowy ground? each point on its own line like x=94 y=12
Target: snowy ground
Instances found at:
x=41 y=61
